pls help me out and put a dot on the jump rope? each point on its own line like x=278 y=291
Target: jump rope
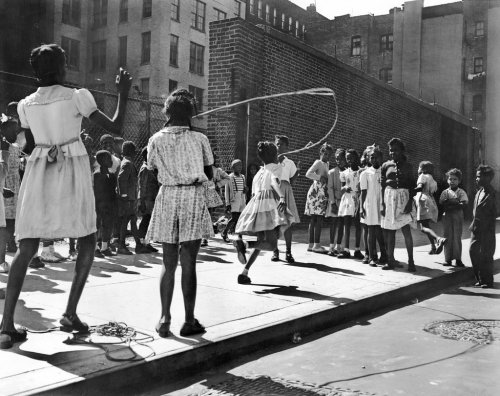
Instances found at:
x=127 y=334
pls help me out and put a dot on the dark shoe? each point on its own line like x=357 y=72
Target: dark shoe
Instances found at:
x=98 y=253
x=447 y=264
x=107 y=252
x=366 y=260
x=411 y=267
x=487 y=286
x=240 y=249
x=189 y=329
x=163 y=329
x=459 y=263
x=289 y=258
x=36 y=262
x=225 y=238
x=397 y=264
x=151 y=248
x=141 y=249
x=123 y=250
x=11 y=247
x=276 y=256
x=244 y=279
x=333 y=252
x=387 y=267
x=9 y=338
x=383 y=259
x=70 y=323
x=204 y=242
x=440 y=245
x=358 y=255
x=344 y=254
x=433 y=250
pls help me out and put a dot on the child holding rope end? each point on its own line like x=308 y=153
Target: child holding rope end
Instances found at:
x=265 y=212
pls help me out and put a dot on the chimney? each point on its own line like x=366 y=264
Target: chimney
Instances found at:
x=311 y=8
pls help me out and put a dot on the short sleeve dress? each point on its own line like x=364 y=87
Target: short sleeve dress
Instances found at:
x=349 y=203
x=56 y=199
x=425 y=202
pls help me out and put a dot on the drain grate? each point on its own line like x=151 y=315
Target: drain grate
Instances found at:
x=262 y=385
x=478 y=331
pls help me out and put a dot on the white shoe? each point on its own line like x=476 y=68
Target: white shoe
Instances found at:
x=49 y=257
x=319 y=249
x=73 y=256
x=4 y=268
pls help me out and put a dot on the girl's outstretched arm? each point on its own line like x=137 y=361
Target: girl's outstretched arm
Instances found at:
x=276 y=187
x=114 y=125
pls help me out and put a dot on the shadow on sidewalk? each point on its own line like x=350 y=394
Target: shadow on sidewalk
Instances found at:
x=294 y=291
x=324 y=268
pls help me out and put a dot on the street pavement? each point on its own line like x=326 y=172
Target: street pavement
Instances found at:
x=284 y=302
x=446 y=345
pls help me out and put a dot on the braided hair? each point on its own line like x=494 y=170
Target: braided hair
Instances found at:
x=48 y=62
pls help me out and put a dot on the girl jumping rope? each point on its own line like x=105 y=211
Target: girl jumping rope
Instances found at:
x=264 y=213
x=56 y=198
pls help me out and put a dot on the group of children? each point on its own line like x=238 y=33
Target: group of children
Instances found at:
x=381 y=198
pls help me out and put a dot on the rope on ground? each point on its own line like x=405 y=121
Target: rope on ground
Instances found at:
x=311 y=91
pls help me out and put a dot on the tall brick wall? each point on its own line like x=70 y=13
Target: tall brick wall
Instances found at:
x=247 y=62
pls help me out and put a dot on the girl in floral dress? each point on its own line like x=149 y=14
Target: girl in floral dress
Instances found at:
x=56 y=199
x=266 y=211
x=317 y=197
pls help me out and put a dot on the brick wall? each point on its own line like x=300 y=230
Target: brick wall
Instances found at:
x=246 y=62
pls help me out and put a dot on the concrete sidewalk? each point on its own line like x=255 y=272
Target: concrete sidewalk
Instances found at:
x=316 y=292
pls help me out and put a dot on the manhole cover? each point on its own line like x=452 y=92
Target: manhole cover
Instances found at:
x=478 y=331
x=261 y=385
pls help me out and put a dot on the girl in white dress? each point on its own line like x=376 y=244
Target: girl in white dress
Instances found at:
x=56 y=199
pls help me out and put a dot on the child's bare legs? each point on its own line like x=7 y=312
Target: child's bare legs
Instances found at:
x=381 y=245
x=390 y=241
x=4 y=238
x=26 y=251
x=333 y=229
x=425 y=227
x=347 y=231
x=266 y=240
x=364 y=228
x=409 y=246
x=167 y=279
x=83 y=265
x=317 y=229
x=188 y=252
x=357 y=236
x=340 y=233
x=371 y=233
x=312 y=228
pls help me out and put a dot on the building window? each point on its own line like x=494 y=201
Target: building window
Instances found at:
x=290 y=24
x=268 y=14
x=385 y=75
x=196 y=58
x=72 y=49
x=296 y=31
x=259 y=9
x=477 y=103
x=478 y=65
x=355 y=45
x=220 y=15
x=123 y=11
x=99 y=56
x=100 y=16
x=479 y=29
x=283 y=18
x=175 y=10
x=147 y=8
x=71 y=12
x=252 y=7
x=198 y=96
x=174 y=50
x=122 y=51
x=275 y=17
x=172 y=86
x=386 y=42
x=198 y=15
x=237 y=7
x=146 y=48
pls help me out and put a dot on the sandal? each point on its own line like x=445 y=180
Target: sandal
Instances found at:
x=9 y=338
x=163 y=329
x=192 y=328
x=70 y=323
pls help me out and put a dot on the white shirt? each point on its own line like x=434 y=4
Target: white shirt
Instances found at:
x=288 y=169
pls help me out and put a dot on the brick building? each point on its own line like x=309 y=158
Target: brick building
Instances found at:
x=247 y=61
x=446 y=54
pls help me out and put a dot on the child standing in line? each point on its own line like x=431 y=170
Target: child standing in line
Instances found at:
x=105 y=201
x=371 y=200
x=148 y=190
x=482 y=243
x=317 y=197
x=264 y=212
x=235 y=194
x=349 y=204
x=427 y=210
x=127 y=200
x=334 y=197
x=364 y=164
x=56 y=198
x=453 y=199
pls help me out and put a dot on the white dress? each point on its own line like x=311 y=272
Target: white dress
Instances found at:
x=349 y=203
x=56 y=198
x=369 y=180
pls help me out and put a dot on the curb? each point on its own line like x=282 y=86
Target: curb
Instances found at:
x=173 y=368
